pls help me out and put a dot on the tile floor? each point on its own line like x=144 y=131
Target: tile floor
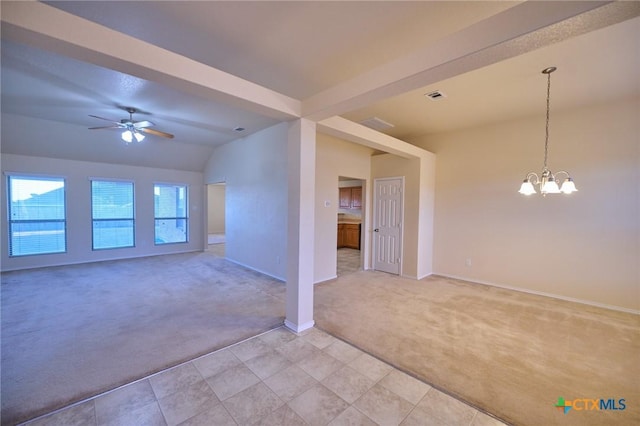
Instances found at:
x=277 y=378
x=216 y=238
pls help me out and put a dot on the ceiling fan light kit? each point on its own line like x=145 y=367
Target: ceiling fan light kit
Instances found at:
x=128 y=136
x=132 y=129
x=547 y=181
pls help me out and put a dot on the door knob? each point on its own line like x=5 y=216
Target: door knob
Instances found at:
x=376 y=230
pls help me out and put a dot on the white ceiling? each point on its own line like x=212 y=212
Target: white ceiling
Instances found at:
x=295 y=48
x=298 y=49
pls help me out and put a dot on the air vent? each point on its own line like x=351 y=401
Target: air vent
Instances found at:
x=376 y=123
x=435 y=95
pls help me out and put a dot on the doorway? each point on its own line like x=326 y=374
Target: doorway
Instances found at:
x=388 y=200
x=351 y=207
x=216 y=227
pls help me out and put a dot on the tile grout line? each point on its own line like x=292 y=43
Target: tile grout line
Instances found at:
x=438 y=388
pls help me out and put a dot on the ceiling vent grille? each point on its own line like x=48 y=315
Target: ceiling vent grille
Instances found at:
x=376 y=123
x=435 y=95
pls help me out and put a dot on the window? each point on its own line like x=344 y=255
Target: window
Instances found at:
x=37 y=221
x=171 y=213
x=112 y=214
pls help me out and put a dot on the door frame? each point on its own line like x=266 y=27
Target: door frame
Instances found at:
x=206 y=216
x=375 y=221
x=364 y=247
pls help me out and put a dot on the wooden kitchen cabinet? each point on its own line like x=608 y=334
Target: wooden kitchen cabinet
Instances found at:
x=356 y=197
x=345 y=198
x=340 y=235
x=352 y=235
x=351 y=197
x=349 y=235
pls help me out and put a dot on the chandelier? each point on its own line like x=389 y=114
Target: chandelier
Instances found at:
x=547 y=181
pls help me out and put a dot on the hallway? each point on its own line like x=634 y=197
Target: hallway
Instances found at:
x=348 y=261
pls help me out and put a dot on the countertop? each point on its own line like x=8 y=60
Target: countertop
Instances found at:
x=349 y=218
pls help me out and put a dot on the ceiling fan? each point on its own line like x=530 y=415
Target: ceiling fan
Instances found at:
x=132 y=129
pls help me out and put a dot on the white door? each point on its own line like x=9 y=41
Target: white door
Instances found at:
x=387 y=224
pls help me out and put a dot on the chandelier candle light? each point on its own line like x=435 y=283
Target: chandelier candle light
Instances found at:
x=547 y=180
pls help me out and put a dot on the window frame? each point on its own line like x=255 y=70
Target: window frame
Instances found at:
x=11 y=221
x=132 y=219
x=157 y=218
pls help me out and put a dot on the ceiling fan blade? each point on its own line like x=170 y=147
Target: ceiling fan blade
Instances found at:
x=142 y=124
x=105 y=127
x=156 y=132
x=105 y=119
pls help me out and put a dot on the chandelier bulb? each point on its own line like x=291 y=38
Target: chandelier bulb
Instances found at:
x=127 y=136
x=139 y=136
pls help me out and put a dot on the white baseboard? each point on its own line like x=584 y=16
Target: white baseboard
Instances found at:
x=88 y=261
x=324 y=280
x=255 y=269
x=299 y=328
x=409 y=277
x=416 y=277
x=542 y=293
x=425 y=276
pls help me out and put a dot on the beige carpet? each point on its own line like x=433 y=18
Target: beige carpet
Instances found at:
x=76 y=331
x=508 y=353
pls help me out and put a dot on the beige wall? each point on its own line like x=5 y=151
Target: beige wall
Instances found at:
x=335 y=157
x=585 y=246
x=426 y=206
x=255 y=171
x=215 y=208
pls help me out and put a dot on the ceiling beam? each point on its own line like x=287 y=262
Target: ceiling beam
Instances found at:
x=517 y=30
x=49 y=28
x=348 y=130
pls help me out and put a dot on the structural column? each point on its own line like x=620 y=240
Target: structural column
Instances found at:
x=301 y=164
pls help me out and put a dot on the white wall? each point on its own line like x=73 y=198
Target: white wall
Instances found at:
x=255 y=171
x=426 y=209
x=77 y=176
x=215 y=209
x=585 y=246
x=336 y=157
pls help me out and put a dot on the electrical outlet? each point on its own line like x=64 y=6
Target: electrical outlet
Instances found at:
x=467 y=262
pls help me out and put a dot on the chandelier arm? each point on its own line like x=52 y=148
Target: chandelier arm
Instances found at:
x=530 y=177
x=564 y=173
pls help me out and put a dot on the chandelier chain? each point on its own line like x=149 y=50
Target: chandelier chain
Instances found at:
x=546 y=138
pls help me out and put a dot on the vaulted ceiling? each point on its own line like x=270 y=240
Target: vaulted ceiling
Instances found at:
x=200 y=69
